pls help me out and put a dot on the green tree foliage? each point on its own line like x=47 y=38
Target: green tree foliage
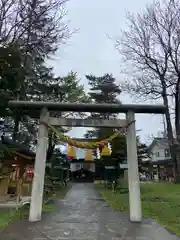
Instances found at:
x=119 y=148
x=57 y=170
x=6 y=154
x=105 y=90
x=60 y=89
x=48 y=88
x=57 y=89
x=30 y=33
x=11 y=74
x=38 y=27
x=142 y=152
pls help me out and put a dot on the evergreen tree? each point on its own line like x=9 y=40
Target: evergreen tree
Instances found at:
x=61 y=89
x=142 y=152
x=57 y=89
x=11 y=75
x=119 y=148
x=38 y=27
x=105 y=90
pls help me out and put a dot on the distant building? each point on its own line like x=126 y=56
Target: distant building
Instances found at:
x=160 y=158
x=159 y=151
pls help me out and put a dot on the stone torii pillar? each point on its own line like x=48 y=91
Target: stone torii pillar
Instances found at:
x=39 y=169
x=133 y=172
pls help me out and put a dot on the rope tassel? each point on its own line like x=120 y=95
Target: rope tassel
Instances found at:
x=89 y=155
x=106 y=151
x=71 y=152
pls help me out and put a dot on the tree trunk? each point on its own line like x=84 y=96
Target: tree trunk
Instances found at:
x=170 y=137
x=23 y=87
x=51 y=146
x=50 y=152
x=177 y=109
x=177 y=123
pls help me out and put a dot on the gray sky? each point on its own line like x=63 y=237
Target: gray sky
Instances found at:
x=90 y=51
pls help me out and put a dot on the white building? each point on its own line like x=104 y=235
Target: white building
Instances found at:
x=160 y=158
x=159 y=150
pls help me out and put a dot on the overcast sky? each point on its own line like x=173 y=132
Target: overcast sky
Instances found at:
x=90 y=51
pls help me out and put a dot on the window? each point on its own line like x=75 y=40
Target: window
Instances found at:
x=78 y=166
x=157 y=154
x=166 y=152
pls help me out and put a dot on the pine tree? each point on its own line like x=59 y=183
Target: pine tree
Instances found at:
x=11 y=74
x=142 y=152
x=61 y=89
x=57 y=89
x=38 y=27
x=105 y=90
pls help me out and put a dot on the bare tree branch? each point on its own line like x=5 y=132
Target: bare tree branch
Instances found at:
x=150 y=50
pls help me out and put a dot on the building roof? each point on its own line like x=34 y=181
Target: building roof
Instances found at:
x=160 y=142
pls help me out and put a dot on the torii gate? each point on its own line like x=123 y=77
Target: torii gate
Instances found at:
x=40 y=163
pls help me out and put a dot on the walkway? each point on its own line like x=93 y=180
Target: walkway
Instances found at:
x=83 y=215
